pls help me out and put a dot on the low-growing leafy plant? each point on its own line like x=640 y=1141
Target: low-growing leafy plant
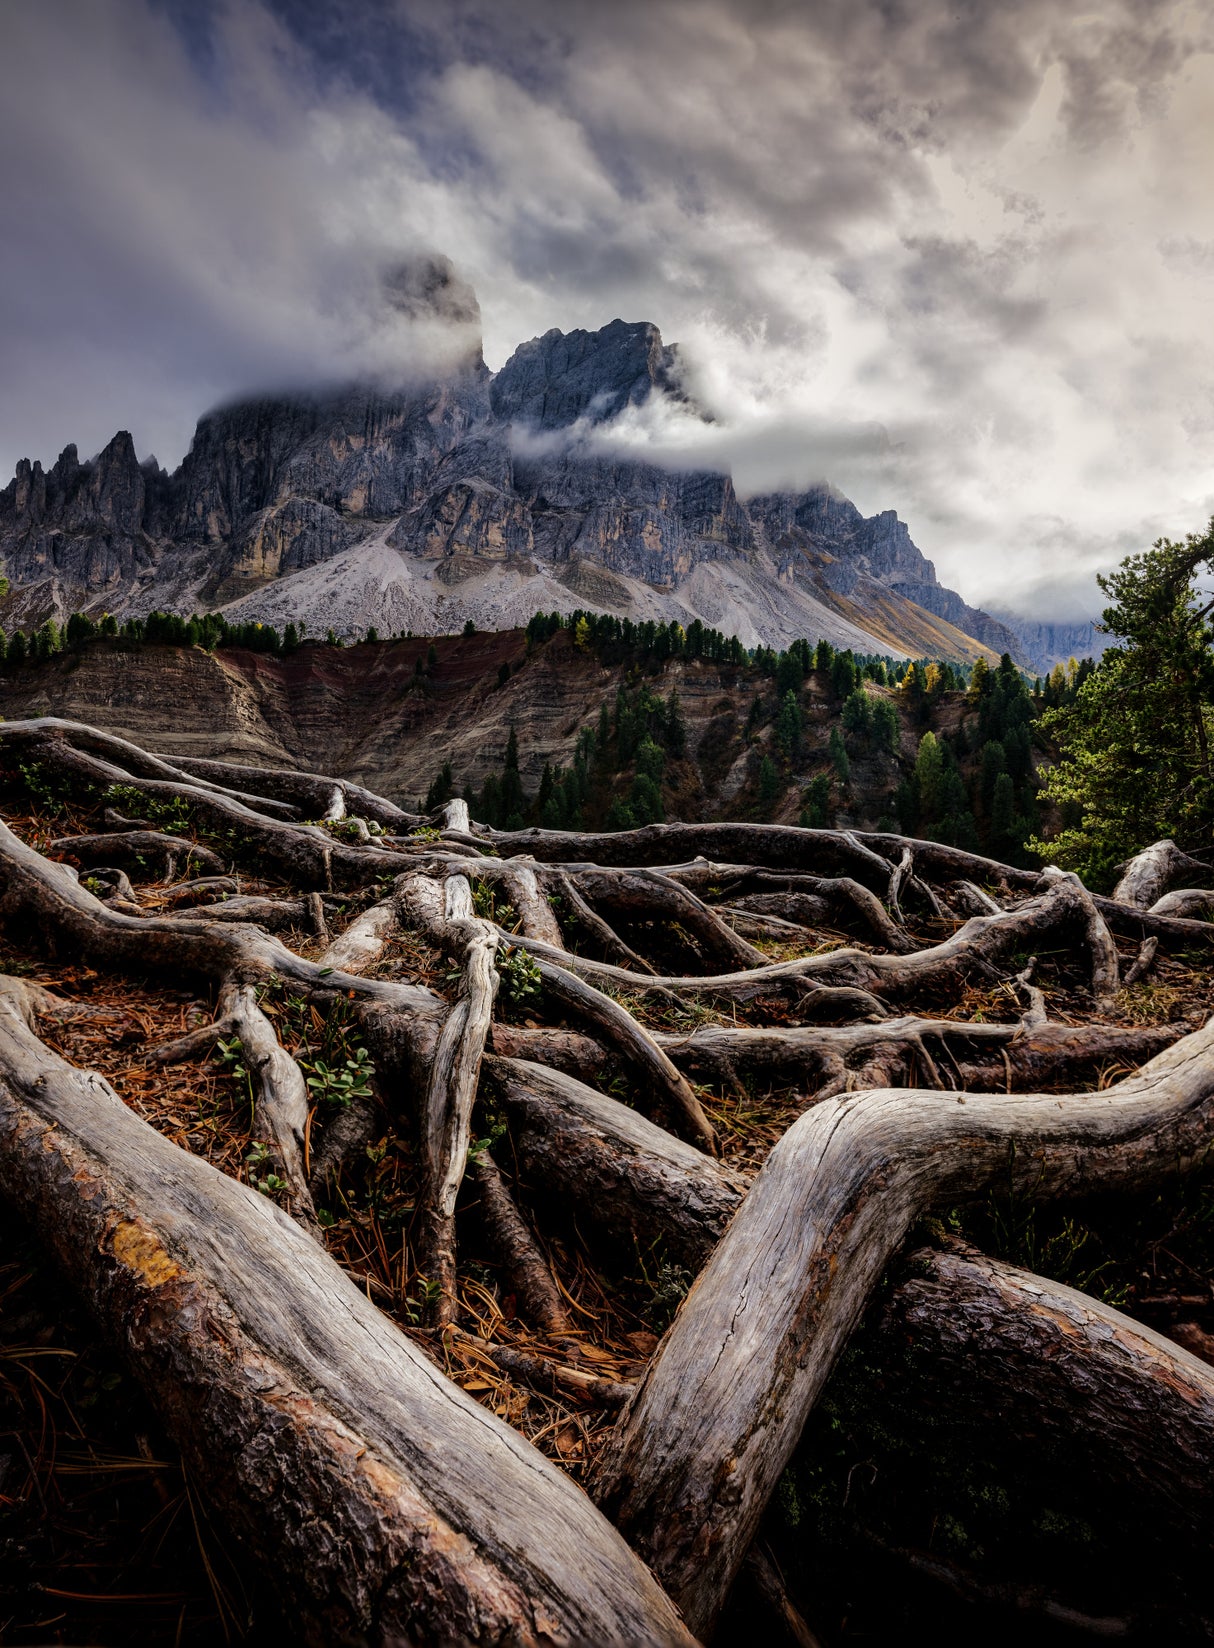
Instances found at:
x=171 y=816
x=339 y=1083
x=270 y=1184
x=50 y=790
x=522 y=985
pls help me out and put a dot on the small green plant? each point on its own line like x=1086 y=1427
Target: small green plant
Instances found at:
x=484 y=902
x=522 y=984
x=50 y=790
x=478 y=1147
x=270 y=1184
x=171 y=817
x=230 y=1054
x=426 y=832
x=670 y=1285
x=340 y=1083
x=417 y=1309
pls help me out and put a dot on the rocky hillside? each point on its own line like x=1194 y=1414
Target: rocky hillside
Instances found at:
x=484 y=496
x=722 y=741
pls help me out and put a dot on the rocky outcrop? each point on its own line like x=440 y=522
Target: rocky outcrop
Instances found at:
x=285 y=505
x=90 y=527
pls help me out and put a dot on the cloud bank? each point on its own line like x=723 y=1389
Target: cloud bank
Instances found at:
x=957 y=259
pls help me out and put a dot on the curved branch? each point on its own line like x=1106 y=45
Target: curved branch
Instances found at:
x=1147 y=876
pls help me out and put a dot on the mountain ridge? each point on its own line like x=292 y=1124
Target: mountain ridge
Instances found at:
x=482 y=495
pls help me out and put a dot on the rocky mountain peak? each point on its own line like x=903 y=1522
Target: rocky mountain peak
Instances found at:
x=554 y=380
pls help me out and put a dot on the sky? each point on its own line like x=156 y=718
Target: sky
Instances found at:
x=955 y=258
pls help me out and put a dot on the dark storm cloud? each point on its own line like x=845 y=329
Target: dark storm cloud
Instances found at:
x=953 y=257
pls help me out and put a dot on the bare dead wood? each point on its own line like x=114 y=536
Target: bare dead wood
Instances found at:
x=1105 y=980
x=1144 y=960
x=648 y=895
x=1058 y=1363
x=304 y=852
x=286 y=1389
x=770 y=1591
x=973 y=951
x=826 y=1058
x=128 y=758
x=345 y=1139
x=535 y=914
x=311 y=795
x=1034 y=1015
x=840 y=898
x=972 y=898
x=751 y=1347
x=553 y=1378
x=588 y=918
x=1190 y=903
x=115 y=886
x=280 y=1115
x=1148 y=875
x=364 y=940
x=630 y=1180
x=444 y=911
x=897 y=875
x=567 y=1050
x=198 y=890
x=867 y=856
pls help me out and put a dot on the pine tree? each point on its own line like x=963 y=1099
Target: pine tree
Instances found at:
x=789 y=725
x=838 y=754
x=769 y=784
x=929 y=775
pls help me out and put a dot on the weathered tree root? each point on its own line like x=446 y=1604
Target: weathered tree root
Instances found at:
x=304 y=852
x=776 y=846
x=286 y=1390
x=630 y=1180
x=617 y=1027
x=525 y=1265
x=312 y=794
x=135 y=846
x=708 y=1430
x=974 y=950
x=1147 y=876
x=756 y=1337
x=444 y=909
x=1026 y=1056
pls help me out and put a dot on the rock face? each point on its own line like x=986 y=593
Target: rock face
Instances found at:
x=555 y=380
x=480 y=495
x=1045 y=645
